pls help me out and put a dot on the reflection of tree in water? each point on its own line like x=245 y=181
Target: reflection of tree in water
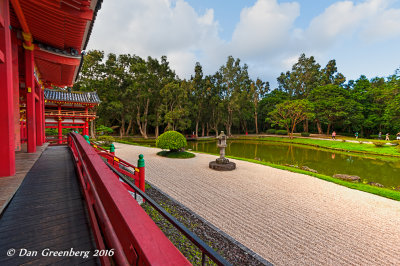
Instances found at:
x=325 y=162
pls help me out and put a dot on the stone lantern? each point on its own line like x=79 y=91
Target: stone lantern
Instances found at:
x=222 y=163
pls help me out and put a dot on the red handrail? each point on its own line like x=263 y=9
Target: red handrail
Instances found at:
x=117 y=220
x=138 y=172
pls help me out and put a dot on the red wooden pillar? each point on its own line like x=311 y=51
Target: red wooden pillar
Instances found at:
x=43 y=118
x=17 y=120
x=86 y=122
x=39 y=118
x=7 y=160
x=30 y=101
x=60 y=130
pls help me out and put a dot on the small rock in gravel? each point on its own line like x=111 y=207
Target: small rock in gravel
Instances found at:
x=347 y=177
x=375 y=184
x=306 y=168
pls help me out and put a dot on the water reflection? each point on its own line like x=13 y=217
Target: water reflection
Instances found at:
x=325 y=162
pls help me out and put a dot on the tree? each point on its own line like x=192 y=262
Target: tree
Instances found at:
x=257 y=92
x=331 y=103
x=304 y=77
x=289 y=113
x=174 y=105
x=234 y=79
x=198 y=96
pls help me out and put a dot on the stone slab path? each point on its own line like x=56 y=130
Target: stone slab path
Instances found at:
x=287 y=218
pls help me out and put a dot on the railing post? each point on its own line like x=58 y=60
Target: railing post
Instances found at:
x=140 y=165
x=112 y=149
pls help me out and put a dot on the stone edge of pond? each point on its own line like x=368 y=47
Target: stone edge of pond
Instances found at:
x=232 y=250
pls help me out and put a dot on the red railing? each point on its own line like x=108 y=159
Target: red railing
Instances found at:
x=123 y=167
x=117 y=220
x=54 y=140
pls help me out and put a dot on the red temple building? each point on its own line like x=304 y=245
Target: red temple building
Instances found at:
x=41 y=44
x=74 y=196
x=71 y=110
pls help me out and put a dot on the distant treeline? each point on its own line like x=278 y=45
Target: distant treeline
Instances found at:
x=145 y=96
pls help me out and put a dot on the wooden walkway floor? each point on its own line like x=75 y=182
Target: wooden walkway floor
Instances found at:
x=47 y=213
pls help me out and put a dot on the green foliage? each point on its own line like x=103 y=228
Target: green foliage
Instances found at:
x=289 y=113
x=171 y=140
x=305 y=134
x=103 y=129
x=176 y=154
x=271 y=131
x=106 y=140
x=281 y=132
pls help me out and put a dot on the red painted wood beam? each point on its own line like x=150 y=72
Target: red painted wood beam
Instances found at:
x=30 y=101
x=65 y=7
x=56 y=58
x=26 y=34
x=7 y=161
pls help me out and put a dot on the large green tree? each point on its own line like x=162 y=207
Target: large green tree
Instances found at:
x=290 y=113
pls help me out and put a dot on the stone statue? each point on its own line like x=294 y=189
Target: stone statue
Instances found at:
x=222 y=163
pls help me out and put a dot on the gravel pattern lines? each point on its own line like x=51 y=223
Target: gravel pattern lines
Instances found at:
x=285 y=217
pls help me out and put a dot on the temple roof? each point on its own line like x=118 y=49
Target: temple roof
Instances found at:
x=60 y=31
x=73 y=97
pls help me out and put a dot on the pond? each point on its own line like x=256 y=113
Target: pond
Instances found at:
x=383 y=171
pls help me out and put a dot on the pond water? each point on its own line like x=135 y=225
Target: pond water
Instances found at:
x=385 y=172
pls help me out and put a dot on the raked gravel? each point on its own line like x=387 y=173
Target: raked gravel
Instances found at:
x=286 y=218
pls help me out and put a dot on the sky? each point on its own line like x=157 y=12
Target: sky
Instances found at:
x=363 y=36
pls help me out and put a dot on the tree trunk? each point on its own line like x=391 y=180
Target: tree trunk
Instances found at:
x=157 y=131
x=208 y=129
x=92 y=129
x=129 y=126
x=122 y=128
x=197 y=129
x=329 y=128
x=202 y=129
x=256 y=121
x=319 y=127
x=305 y=125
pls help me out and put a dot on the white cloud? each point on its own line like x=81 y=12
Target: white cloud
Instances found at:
x=265 y=37
x=264 y=28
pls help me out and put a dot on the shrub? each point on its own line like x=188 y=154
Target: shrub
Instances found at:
x=171 y=140
x=271 y=131
x=106 y=140
x=281 y=132
x=305 y=134
x=378 y=143
x=101 y=129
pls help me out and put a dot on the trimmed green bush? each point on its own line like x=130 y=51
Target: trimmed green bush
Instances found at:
x=281 y=132
x=171 y=140
x=305 y=134
x=271 y=131
x=106 y=140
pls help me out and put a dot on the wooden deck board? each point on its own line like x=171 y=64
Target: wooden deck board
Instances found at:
x=47 y=211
